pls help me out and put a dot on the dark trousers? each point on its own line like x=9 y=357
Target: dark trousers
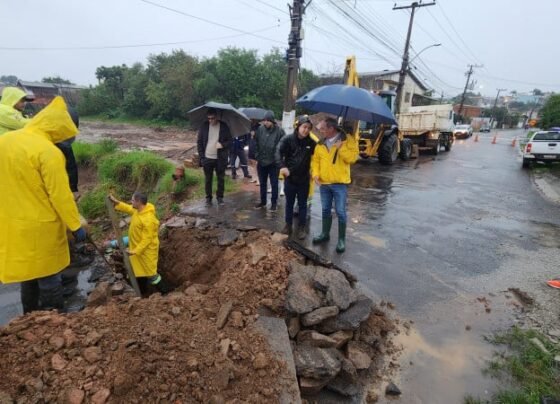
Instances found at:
x=209 y=166
x=301 y=192
x=233 y=155
x=31 y=291
x=265 y=172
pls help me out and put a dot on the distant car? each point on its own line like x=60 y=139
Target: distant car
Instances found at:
x=462 y=131
x=542 y=146
x=485 y=129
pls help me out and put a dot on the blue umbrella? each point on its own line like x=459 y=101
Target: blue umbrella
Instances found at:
x=351 y=103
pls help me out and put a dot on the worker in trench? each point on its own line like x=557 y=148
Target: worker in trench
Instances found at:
x=37 y=208
x=143 y=240
x=11 y=107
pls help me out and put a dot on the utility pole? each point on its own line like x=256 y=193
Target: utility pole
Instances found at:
x=468 y=74
x=404 y=65
x=293 y=55
x=496 y=104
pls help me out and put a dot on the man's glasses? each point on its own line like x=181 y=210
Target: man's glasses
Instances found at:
x=212 y=118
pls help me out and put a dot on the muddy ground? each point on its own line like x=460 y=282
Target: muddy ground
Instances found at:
x=198 y=344
x=171 y=142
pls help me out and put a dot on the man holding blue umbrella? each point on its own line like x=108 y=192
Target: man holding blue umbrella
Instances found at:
x=330 y=168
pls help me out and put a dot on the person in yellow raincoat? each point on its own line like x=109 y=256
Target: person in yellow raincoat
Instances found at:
x=37 y=207
x=330 y=168
x=143 y=238
x=11 y=106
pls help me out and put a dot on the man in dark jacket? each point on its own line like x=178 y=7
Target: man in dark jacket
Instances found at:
x=293 y=156
x=238 y=150
x=267 y=138
x=214 y=140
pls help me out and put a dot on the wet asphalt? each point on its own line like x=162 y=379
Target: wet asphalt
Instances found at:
x=439 y=236
x=431 y=235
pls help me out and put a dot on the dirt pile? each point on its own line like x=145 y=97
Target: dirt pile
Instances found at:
x=200 y=343
x=196 y=344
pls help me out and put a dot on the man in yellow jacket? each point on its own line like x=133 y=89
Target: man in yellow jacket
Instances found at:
x=11 y=106
x=143 y=239
x=37 y=207
x=330 y=168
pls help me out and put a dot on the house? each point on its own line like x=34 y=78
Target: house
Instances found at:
x=469 y=111
x=43 y=93
x=415 y=92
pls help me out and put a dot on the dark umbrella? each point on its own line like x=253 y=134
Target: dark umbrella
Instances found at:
x=351 y=103
x=254 y=113
x=236 y=120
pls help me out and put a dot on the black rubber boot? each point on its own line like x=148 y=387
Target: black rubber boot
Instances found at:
x=29 y=292
x=326 y=231
x=163 y=287
x=52 y=299
x=341 y=245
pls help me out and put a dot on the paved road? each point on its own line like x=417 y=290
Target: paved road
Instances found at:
x=442 y=237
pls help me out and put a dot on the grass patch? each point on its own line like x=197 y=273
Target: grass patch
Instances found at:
x=88 y=154
x=123 y=173
x=134 y=171
x=530 y=371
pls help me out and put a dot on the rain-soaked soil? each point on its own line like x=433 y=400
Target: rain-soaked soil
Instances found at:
x=177 y=348
x=171 y=142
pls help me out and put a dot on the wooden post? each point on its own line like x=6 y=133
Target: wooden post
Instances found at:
x=122 y=247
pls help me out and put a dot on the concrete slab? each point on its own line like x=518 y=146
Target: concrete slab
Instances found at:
x=276 y=333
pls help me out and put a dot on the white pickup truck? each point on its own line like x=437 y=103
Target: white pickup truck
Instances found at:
x=542 y=146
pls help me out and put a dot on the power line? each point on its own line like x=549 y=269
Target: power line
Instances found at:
x=273 y=7
x=458 y=35
x=219 y=24
x=147 y=45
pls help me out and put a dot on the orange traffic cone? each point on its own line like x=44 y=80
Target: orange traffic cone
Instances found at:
x=476 y=138
x=494 y=139
x=513 y=142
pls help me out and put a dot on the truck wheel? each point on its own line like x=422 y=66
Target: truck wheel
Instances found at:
x=526 y=163
x=435 y=150
x=448 y=144
x=388 y=151
x=406 y=149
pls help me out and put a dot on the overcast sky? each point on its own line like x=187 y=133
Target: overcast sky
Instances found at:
x=515 y=40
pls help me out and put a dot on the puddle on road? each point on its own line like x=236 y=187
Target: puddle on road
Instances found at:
x=371 y=240
x=443 y=358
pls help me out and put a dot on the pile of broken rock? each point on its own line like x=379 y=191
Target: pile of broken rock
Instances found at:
x=337 y=333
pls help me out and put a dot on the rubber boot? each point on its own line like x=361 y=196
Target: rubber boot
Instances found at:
x=341 y=245
x=29 y=292
x=52 y=299
x=326 y=231
x=162 y=286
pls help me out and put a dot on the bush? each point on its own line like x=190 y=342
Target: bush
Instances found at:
x=88 y=154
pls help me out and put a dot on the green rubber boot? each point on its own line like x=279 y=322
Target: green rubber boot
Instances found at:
x=341 y=245
x=325 y=233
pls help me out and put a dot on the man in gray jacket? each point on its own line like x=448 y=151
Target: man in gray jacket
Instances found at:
x=267 y=138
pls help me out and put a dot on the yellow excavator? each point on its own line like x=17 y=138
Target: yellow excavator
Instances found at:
x=381 y=140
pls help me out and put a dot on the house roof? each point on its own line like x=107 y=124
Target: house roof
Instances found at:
x=38 y=84
x=391 y=72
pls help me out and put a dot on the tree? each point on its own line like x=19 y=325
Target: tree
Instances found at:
x=536 y=91
x=56 y=80
x=9 y=80
x=550 y=112
x=113 y=78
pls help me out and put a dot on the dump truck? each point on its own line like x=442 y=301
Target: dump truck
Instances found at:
x=430 y=126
